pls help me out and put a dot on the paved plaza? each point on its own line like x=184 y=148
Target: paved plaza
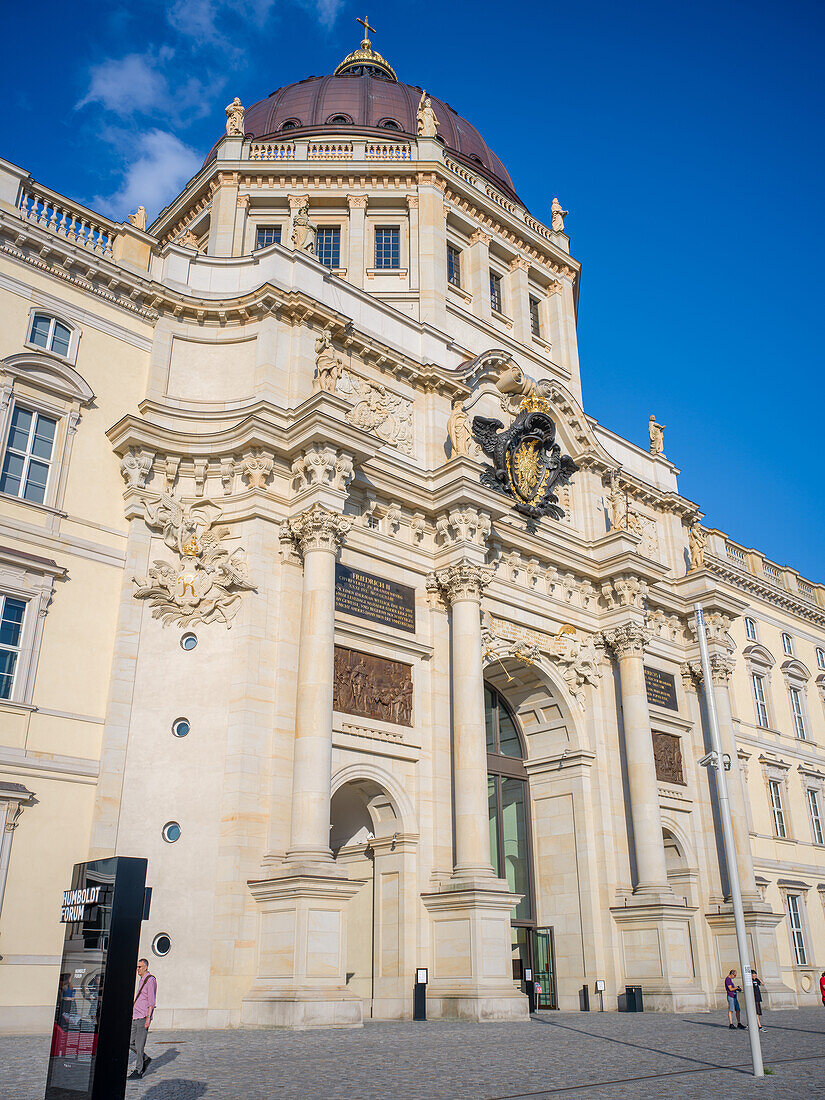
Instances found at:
x=556 y=1054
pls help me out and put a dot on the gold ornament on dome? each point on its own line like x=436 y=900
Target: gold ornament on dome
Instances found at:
x=365 y=57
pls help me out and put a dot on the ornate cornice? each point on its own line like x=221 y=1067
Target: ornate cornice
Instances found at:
x=765 y=591
x=463 y=581
x=628 y=640
x=318 y=529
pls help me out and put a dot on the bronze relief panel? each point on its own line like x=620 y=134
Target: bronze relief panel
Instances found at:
x=667 y=752
x=372 y=687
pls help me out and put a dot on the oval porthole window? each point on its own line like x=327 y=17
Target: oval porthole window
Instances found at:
x=189 y=641
x=181 y=727
x=171 y=832
x=162 y=944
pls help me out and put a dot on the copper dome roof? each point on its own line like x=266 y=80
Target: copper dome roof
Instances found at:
x=365 y=102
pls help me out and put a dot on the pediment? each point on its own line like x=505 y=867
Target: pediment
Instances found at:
x=48 y=372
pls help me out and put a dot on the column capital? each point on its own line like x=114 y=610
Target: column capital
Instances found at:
x=691 y=675
x=478 y=236
x=520 y=263
x=721 y=669
x=318 y=528
x=244 y=201
x=412 y=202
x=297 y=201
x=357 y=202
x=628 y=640
x=463 y=581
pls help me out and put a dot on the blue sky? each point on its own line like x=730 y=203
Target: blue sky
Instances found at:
x=685 y=139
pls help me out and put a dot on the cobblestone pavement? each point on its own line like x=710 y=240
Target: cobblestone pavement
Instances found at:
x=595 y=1055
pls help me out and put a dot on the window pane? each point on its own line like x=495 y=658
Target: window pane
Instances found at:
x=387 y=248
x=329 y=246
x=266 y=235
x=11 y=622
x=40 y=330
x=12 y=472
x=60 y=339
x=534 y=317
x=43 y=437
x=495 y=291
x=7 y=662
x=489 y=719
x=453 y=266
x=492 y=801
x=36 y=478
x=21 y=422
x=509 y=744
x=514 y=843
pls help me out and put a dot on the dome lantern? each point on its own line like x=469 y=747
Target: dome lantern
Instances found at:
x=365 y=61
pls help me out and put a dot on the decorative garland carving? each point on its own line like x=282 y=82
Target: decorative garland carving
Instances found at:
x=205 y=582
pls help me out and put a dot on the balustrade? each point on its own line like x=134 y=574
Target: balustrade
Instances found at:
x=271 y=150
x=70 y=222
x=387 y=151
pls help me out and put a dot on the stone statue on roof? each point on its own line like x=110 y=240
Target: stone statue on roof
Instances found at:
x=138 y=219
x=657 y=436
x=427 y=121
x=234 y=119
x=557 y=216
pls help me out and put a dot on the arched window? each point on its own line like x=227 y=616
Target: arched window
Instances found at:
x=48 y=333
x=508 y=802
x=389 y=124
x=339 y=120
x=290 y=124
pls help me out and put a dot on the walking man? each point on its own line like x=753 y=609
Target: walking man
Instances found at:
x=731 y=988
x=142 y=1012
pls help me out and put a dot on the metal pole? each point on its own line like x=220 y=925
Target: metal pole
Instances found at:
x=715 y=760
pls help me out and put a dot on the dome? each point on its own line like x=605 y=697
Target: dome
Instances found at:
x=367 y=101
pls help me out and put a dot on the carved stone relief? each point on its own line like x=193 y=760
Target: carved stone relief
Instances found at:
x=205 y=581
x=378 y=410
x=372 y=687
x=667 y=753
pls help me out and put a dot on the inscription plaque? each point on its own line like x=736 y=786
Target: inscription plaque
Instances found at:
x=661 y=688
x=374 y=598
x=667 y=753
x=372 y=687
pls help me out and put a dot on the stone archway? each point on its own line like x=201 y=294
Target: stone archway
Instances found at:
x=370 y=836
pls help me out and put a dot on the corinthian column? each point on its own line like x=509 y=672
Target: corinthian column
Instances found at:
x=318 y=533
x=628 y=644
x=462 y=585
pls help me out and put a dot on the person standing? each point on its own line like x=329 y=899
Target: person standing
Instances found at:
x=757 y=996
x=822 y=986
x=142 y=1013
x=731 y=988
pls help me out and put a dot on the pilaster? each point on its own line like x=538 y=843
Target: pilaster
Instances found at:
x=356 y=262
x=222 y=215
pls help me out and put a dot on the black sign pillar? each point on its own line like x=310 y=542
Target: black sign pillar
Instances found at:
x=102 y=912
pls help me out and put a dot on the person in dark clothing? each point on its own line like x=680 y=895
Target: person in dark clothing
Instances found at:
x=757 y=996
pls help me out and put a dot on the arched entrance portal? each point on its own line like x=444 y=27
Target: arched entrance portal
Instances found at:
x=511 y=844
x=367 y=837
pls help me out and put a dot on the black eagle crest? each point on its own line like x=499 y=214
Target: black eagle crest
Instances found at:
x=527 y=462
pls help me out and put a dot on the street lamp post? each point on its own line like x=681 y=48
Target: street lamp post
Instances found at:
x=715 y=760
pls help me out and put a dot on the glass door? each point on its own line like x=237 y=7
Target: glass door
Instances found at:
x=544 y=970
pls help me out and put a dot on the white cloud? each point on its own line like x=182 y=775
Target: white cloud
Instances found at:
x=159 y=166
x=128 y=84
x=326 y=10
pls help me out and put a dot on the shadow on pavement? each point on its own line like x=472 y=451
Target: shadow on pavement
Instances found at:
x=162 y=1060
x=642 y=1046
x=175 y=1089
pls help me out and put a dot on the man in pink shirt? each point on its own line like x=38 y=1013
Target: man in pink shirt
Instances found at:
x=144 y=1007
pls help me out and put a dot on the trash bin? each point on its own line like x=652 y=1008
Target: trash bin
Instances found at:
x=633 y=998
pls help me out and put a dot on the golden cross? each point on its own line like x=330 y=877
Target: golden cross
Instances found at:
x=365 y=23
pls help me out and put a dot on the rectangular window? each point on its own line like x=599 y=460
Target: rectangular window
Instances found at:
x=329 y=245
x=750 y=629
x=787 y=644
x=453 y=266
x=28 y=455
x=776 y=806
x=266 y=235
x=820 y=658
x=759 y=698
x=495 y=292
x=795 y=920
x=388 y=247
x=535 y=324
x=796 y=711
x=11 y=626
x=816 y=820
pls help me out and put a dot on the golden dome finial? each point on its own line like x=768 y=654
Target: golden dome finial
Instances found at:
x=365 y=61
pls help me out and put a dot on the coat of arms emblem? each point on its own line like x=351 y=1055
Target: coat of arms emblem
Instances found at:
x=527 y=462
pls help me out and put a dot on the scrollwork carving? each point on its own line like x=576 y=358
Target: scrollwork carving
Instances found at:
x=318 y=529
x=322 y=465
x=463 y=525
x=256 y=466
x=135 y=466
x=463 y=581
x=205 y=582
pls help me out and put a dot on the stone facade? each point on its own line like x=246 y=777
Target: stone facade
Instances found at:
x=229 y=425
